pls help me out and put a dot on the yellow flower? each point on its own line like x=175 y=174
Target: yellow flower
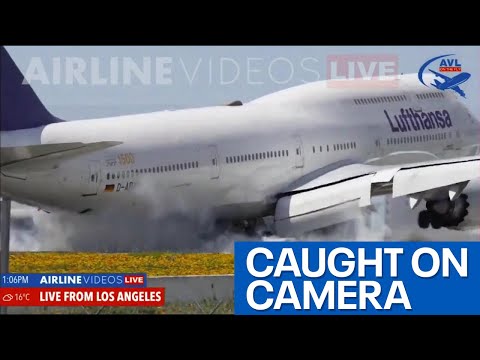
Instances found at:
x=153 y=264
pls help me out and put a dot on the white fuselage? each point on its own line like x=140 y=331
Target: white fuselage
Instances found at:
x=235 y=159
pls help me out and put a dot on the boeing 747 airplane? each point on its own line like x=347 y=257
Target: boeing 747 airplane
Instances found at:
x=310 y=156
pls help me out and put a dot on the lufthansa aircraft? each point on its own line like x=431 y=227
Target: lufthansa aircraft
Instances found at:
x=310 y=156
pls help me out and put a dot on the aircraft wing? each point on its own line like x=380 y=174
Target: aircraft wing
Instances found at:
x=444 y=77
x=38 y=156
x=340 y=194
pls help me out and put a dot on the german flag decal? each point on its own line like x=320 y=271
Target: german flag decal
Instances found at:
x=109 y=188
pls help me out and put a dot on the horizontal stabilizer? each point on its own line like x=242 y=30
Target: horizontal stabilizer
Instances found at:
x=26 y=155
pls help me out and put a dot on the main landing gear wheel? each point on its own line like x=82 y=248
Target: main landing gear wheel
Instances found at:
x=424 y=219
x=436 y=221
x=250 y=228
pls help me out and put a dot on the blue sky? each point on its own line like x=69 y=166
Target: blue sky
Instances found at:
x=188 y=76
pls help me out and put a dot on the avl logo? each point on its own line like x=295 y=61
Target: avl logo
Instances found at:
x=350 y=71
x=443 y=64
x=450 y=65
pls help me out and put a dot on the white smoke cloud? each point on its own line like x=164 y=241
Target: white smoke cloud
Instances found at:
x=154 y=229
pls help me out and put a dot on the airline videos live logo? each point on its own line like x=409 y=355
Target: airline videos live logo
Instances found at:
x=362 y=70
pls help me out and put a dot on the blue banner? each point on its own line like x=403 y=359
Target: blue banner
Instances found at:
x=391 y=278
x=72 y=280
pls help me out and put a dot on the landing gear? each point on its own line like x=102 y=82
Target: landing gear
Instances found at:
x=253 y=228
x=247 y=227
x=250 y=228
x=436 y=221
x=424 y=219
x=444 y=213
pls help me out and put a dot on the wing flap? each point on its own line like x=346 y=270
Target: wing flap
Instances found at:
x=415 y=180
x=338 y=195
x=446 y=172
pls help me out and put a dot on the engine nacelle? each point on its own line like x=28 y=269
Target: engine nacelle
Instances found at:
x=301 y=213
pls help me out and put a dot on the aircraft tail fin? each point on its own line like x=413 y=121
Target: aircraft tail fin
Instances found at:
x=436 y=83
x=20 y=106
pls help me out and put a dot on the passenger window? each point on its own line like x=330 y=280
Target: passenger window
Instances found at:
x=108 y=176
x=197 y=164
x=287 y=152
x=313 y=149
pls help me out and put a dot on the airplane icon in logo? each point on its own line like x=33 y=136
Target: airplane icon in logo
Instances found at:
x=451 y=83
